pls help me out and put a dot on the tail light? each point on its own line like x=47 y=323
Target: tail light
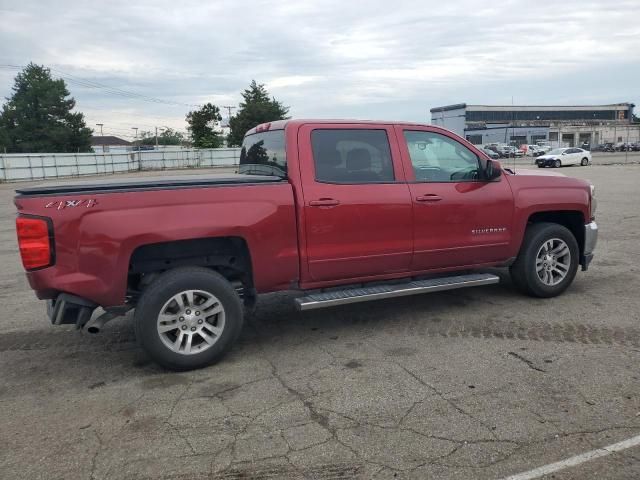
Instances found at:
x=35 y=240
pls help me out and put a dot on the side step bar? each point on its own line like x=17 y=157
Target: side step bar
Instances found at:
x=377 y=292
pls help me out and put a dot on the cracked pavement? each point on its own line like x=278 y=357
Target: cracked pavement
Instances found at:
x=479 y=383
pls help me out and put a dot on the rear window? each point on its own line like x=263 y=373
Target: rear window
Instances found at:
x=263 y=154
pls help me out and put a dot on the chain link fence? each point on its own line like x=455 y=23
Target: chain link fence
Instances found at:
x=40 y=166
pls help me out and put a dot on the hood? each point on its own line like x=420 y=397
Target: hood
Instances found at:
x=548 y=157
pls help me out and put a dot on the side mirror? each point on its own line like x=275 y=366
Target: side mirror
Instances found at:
x=492 y=170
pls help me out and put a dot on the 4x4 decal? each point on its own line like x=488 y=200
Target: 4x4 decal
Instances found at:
x=62 y=204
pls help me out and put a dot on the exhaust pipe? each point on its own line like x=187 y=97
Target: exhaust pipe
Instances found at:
x=96 y=324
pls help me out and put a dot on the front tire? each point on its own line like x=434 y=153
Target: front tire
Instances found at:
x=188 y=318
x=547 y=262
x=584 y=162
x=557 y=164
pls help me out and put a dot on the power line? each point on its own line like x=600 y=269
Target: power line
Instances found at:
x=107 y=89
x=229 y=108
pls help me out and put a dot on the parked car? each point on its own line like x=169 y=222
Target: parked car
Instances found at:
x=560 y=157
x=534 y=150
x=491 y=154
x=495 y=147
x=605 y=147
x=511 y=151
x=544 y=146
x=341 y=211
x=623 y=147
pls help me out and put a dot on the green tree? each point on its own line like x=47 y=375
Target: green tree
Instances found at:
x=37 y=118
x=168 y=136
x=201 y=125
x=256 y=108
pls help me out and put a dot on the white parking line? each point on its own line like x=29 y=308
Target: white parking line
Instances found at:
x=577 y=460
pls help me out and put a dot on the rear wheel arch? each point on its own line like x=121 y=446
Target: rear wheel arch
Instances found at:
x=188 y=318
x=229 y=256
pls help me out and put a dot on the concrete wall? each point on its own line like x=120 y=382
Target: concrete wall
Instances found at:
x=16 y=167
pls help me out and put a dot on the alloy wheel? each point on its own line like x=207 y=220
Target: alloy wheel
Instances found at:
x=191 y=322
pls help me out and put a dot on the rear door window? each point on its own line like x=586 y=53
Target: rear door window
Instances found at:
x=351 y=156
x=264 y=154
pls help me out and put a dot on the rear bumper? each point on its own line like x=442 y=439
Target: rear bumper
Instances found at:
x=590 y=241
x=69 y=309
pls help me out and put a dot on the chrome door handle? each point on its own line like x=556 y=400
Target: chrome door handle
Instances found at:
x=428 y=198
x=324 y=202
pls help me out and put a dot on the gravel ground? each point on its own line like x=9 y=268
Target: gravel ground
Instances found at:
x=479 y=383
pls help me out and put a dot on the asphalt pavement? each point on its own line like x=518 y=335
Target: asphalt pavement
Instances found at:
x=480 y=383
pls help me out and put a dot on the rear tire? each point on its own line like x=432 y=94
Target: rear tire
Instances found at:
x=188 y=318
x=547 y=262
x=584 y=162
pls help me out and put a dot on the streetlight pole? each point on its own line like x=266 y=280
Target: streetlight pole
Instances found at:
x=162 y=130
x=102 y=137
x=135 y=143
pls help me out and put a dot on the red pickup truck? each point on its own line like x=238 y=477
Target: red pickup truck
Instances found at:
x=342 y=211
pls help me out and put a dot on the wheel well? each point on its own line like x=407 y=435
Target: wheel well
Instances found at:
x=574 y=221
x=229 y=256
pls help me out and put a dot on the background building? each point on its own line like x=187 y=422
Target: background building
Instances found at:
x=565 y=126
x=109 y=143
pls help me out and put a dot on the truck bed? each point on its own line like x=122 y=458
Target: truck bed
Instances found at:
x=147 y=183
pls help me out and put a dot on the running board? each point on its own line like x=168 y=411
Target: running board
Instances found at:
x=377 y=292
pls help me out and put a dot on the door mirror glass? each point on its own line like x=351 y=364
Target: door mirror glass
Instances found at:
x=492 y=170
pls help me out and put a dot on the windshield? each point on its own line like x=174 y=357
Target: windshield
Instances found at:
x=556 y=151
x=264 y=154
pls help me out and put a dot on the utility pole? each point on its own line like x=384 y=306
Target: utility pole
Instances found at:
x=102 y=137
x=229 y=108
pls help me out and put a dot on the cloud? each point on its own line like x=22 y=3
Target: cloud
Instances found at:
x=371 y=59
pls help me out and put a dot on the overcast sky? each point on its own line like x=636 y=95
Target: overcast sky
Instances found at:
x=341 y=59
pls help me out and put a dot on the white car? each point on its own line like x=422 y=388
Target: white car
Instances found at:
x=560 y=157
x=544 y=148
x=534 y=150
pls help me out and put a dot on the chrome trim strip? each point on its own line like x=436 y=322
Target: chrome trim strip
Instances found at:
x=411 y=288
